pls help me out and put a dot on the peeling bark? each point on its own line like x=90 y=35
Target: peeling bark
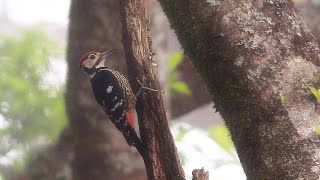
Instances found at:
x=251 y=54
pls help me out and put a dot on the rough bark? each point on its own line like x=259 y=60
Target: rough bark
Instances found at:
x=100 y=151
x=160 y=155
x=200 y=174
x=251 y=54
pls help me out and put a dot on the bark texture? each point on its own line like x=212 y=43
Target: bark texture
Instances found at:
x=100 y=151
x=200 y=174
x=251 y=54
x=160 y=154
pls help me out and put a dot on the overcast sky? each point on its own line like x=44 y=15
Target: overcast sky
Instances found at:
x=33 y=11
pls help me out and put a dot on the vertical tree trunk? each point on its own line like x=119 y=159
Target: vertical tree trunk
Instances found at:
x=258 y=60
x=100 y=151
x=53 y=163
x=160 y=154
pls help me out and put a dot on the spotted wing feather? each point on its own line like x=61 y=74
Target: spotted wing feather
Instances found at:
x=112 y=91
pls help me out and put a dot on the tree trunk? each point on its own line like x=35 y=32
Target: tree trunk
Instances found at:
x=251 y=54
x=159 y=153
x=53 y=163
x=100 y=151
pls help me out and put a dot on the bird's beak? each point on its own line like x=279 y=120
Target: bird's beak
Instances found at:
x=104 y=55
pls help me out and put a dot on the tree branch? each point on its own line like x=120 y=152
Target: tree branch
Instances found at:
x=252 y=54
x=160 y=155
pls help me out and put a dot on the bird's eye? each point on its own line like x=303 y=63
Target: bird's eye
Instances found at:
x=92 y=56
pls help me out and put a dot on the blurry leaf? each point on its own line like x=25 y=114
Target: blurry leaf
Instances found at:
x=282 y=99
x=172 y=78
x=221 y=135
x=317 y=129
x=174 y=60
x=180 y=87
x=174 y=84
x=316 y=93
x=182 y=133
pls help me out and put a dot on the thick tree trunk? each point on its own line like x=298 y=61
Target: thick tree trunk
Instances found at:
x=251 y=54
x=53 y=163
x=100 y=151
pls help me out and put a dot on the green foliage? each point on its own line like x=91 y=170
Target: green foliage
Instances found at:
x=221 y=135
x=282 y=99
x=34 y=112
x=317 y=129
x=180 y=87
x=316 y=93
x=174 y=84
x=174 y=60
x=181 y=135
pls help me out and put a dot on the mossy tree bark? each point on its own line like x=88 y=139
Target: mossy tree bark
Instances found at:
x=258 y=60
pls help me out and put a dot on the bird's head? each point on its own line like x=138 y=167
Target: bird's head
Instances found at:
x=90 y=61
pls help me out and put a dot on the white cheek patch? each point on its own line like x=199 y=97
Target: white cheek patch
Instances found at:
x=88 y=63
x=109 y=89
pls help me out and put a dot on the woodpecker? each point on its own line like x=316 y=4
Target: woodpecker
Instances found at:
x=113 y=92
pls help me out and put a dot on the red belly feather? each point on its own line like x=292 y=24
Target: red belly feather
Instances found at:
x=130 y=118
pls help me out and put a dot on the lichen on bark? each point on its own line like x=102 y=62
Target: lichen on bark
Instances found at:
x=250 y=53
